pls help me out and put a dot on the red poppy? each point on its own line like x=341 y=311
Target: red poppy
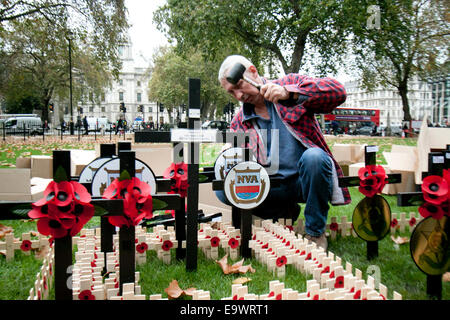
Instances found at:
x=120 y=221
x=83 y=213
x=281 y=261
x=80 y=192
x=372 y=180
x=86 y=295
x=26 y=245
x=339 y=283
x=113 y=190
x=142 y=247
x=325 y=270
x=139 y=190
x=233 y=243
x=394 y=223
x=365 y=172
x=412 y=221
x=167 y=245
x=334 y=226
x=357 y=295
x=177 y=173
x=215 y=242
x=56 y=227
x=369 y=187
x=49 y=194
x=434 y=199
x=430 y=210
x=435 y=185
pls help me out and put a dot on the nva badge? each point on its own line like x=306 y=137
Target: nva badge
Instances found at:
x=247 y=185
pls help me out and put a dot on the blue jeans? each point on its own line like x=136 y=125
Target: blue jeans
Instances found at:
x=312 y=185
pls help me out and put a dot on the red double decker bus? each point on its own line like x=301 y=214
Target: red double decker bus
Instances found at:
x=348 y=119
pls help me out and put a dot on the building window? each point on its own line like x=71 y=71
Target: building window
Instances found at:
x=150 y=109
x=138 y=83
x=139 y=97
x=120 y=82
x=121 y=96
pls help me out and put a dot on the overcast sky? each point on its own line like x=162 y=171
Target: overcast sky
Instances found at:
x=146 y=38
x=144 y=35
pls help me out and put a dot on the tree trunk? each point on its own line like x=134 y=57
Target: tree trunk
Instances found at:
x=403 y=91
x=297 y=55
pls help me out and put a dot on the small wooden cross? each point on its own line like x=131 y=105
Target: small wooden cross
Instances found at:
x=370 y=159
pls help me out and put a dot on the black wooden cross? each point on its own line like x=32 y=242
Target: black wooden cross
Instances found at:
x=369 y=159
x=437 y=162
x=63 y=246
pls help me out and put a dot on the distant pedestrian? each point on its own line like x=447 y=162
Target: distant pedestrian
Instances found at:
x=86 y=125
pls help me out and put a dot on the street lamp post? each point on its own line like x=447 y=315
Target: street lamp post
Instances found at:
x=71 y=124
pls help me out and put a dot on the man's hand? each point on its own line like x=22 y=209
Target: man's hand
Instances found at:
x=274 y=92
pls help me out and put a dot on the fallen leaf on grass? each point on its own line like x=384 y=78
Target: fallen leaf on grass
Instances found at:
x=4 y=230
x=446 y=277
x=241 y=280
x=42 y=253
x=235 y=268
x=174 y=291
x=400 y=240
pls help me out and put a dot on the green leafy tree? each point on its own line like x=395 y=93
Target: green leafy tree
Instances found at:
x=169 y=81
x=292 y=33
x=394 y=41
x=34 y=43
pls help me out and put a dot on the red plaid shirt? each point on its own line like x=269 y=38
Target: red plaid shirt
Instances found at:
x=324 y=95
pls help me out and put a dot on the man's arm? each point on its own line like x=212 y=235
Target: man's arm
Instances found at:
x=319 y=95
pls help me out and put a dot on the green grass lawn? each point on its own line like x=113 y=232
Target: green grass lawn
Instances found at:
x=397 y=269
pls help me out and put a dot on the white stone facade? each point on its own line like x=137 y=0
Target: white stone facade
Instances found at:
x=387 y=100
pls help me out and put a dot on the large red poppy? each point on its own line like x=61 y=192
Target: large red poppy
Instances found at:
x=177 y=173
x=80 y=192
x=54 y=227
x=139 y=190
x=431 y=210
x=83 y=213
x=372 y=180
x=435 y=189
x=137 y=204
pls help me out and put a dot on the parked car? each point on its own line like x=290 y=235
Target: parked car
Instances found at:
x=33 y=125
x=364 y=131
x=216 y=124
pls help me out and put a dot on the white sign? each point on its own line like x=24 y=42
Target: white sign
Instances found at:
x=88 y=172
x=110 y=170
x=194 y=113
x=247 y=185
x=372 y=149
x=226 y=160
x=193 y=135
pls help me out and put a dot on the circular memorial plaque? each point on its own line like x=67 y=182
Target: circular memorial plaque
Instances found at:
x=372 y=218
x=246 y=185
x=429 y=245
x=226 y=160
x=110 y=170
x=88 y=172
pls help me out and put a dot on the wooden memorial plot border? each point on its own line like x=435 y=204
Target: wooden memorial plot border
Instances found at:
x=370 y=159
x=437 y=162
x=63 y=246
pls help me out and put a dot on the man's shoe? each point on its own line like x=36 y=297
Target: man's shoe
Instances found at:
x=320 y=241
